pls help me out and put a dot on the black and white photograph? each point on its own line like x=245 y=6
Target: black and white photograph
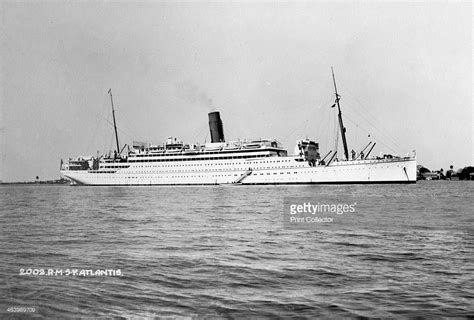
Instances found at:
x=236 y=159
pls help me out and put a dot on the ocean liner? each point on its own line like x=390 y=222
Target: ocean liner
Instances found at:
x=242 y=162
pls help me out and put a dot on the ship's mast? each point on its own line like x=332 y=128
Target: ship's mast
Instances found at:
x=115 y=125
x=341 y=124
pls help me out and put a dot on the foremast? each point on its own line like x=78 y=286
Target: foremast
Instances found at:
x=115 y=125
x=341 y=124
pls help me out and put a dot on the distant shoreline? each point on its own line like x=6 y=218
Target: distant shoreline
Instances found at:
x=47 y=182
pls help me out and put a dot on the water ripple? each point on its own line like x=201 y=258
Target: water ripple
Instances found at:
x=222 y=252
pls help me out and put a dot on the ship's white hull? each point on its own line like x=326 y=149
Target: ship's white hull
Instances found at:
x=281 y=170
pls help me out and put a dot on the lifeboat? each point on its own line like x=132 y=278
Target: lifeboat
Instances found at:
x=231 y=147
x=252 y=145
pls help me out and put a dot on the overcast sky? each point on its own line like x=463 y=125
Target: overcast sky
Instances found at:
x=404 y=72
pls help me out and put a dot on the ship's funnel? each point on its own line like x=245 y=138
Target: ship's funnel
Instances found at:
x=216 y=128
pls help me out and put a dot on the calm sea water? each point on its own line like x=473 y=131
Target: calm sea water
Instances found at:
x=218 y=251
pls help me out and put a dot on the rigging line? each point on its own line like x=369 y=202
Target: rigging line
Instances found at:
x=227 y=134
x=324 y=112
x=362 y=106
x=128 y=128
x=103 y=117
x=125 y=123
x=371 y=133
x=230 y=134
x=94 y=132
x=324 y=134
x=324 y=116
x=327 y=120
x=383 y=134
x=336 y=127
x=110 y=144
x=107 y=118
x=305 y=129
x=102 y=143
x=325 y=128
x=122 y=131
x=132 y=129
x=99 y=115
x=125 y=129
x=351 y=95
x=197 y=133
x=327 y=125
x=126 y=134
x=288 y=136
x=367 y=114
x=378 y=140
x=355 y=131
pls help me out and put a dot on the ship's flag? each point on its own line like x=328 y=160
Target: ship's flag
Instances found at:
x=333 y=105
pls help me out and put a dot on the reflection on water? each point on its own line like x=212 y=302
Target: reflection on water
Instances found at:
x=224 y=252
